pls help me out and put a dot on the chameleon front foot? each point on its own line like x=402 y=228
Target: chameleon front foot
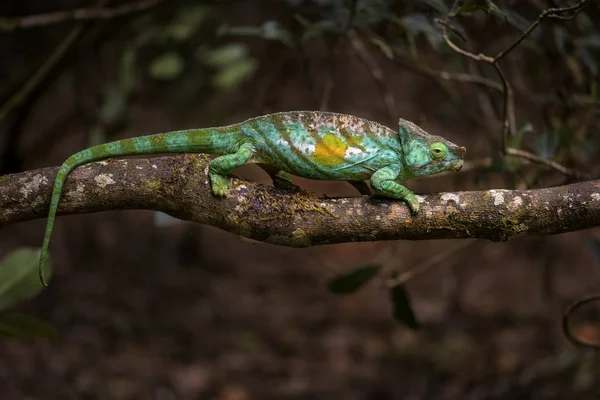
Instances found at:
x=384 y=184
x=413 y=203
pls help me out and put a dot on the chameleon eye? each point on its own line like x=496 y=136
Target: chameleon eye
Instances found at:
x=438 y=150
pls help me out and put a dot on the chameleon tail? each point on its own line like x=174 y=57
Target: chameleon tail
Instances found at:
x=220 y=140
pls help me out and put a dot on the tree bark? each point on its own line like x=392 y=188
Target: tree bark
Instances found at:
x=178 y=185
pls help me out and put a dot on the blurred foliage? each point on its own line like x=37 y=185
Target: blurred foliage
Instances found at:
x=194 y=51
x=19 y=282
x=352 y=281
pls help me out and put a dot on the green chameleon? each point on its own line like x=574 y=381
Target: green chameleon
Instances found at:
x=310 y=144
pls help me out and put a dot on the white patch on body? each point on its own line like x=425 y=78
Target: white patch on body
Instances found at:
x=595 y=196
x=283 y=142
x=352 y=151
x=306 y=148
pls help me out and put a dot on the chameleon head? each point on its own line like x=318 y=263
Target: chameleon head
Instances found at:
x=426 y=154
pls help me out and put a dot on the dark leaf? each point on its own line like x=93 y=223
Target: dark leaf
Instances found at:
x=19 y=279
x=470 y=6
x=352 y=281
x=545 y=144
x=403 y=311
x=21 y=326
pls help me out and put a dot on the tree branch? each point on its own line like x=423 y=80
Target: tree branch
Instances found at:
x=178 y=185
x=81 y=14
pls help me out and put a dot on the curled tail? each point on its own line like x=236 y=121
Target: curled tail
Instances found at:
x=210 y=140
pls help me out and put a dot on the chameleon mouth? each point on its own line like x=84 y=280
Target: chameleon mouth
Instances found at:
x=458 y=166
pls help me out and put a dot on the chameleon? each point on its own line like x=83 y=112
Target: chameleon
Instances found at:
x=319 y=145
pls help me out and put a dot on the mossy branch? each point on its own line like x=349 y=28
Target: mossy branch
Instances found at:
x=178 y=185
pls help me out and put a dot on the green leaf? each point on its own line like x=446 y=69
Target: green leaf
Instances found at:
x=234 y=73
x=403 y=311
x=19 y=277
x=21 y=326
x=188 y=20
x=224 y=55
x=353 y=280
x=167 y=66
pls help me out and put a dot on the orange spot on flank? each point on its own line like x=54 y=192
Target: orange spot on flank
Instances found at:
x=330 y=151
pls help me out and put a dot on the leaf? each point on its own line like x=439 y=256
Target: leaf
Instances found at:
x=590 y=41
x=318 y=29
x=114 y=106
x=470 y=6
x=21 y=326
x=418 y=23
x=594 y=245
x=403 y=311
x=188 y=20
x=516 y=19
x=383 y=46
x=127 y=71
x=270 y=30
x=167 y=66
x=234 y=73
x=545 y=144
x=224 y=55
x=352 y=281
x=19 y=277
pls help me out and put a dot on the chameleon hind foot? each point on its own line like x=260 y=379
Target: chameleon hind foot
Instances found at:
x=219 y=184
x=283 y=180
x=221 y=166
x=280 y=178
x=362 y=187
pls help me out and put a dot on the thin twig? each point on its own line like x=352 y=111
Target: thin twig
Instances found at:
x=508 y=118
x=81 y=14
x=43 y=71
x=429 y=263
x=541 y=160
x=549 y=13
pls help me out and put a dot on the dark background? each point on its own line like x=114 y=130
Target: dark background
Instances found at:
x=191 y=312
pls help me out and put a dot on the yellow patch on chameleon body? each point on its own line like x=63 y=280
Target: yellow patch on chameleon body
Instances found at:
x=330 y=151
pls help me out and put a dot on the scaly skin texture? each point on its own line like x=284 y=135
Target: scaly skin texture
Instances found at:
x=310 y=144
